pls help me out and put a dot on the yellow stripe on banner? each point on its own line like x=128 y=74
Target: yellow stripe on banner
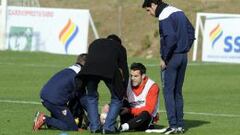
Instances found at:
x=215 y=34
x=67 y=34
x=65 y=28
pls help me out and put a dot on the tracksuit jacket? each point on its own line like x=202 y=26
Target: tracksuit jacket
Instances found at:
x=176 y=31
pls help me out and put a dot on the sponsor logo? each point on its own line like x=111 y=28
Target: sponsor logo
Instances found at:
x=20 y=38
x=215 y=34
x=67 y=34
x=231 y=43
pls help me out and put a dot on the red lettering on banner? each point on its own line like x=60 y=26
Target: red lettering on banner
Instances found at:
x=30 y=13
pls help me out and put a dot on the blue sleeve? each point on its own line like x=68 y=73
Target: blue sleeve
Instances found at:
x=191 y=34
x=169 y=37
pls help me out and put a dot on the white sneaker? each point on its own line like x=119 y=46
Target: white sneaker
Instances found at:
x=170 y=131
x=167 y=130
x=180 y=130
x=163 y=130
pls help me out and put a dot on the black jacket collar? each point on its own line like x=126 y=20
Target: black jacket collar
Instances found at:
x=160 y=8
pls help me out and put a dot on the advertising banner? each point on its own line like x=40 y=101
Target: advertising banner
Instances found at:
x=221 y=41
x=1 y=30
x=60 y=31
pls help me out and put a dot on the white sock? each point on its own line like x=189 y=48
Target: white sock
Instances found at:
x=125 y=127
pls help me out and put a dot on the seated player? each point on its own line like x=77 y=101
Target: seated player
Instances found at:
x=142 y=100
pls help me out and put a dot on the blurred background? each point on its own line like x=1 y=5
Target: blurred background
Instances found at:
x=126 y=18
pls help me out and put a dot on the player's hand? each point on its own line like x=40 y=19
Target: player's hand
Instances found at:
x=162 y=65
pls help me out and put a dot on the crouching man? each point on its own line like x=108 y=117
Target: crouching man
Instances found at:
x=141 y=104
x=55 y=95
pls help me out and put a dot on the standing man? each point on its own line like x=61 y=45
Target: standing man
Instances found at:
x=55 y=95
x=107 y=61
x=176 y=37
x=142 y=100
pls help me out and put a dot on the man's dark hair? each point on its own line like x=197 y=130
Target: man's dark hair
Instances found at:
x=138 y=66
x=115 y=38
x=147 y=3
x=81 y=59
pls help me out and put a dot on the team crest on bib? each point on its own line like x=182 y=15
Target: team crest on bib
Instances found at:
x=64 y=112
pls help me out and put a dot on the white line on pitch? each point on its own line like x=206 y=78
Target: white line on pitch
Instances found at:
x=196 y=64
x=209 y=114
x=20 y=102
x=163 y=111
x=30 y=65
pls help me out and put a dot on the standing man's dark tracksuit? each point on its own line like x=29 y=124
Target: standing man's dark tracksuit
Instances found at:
x=177 y=36
x=107 y=61
x=55 y=95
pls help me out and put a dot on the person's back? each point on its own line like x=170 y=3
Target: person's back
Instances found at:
x=103 y=55
x=185 y=33
x=59 y=88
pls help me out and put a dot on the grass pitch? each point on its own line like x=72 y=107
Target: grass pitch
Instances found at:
x=211 y=93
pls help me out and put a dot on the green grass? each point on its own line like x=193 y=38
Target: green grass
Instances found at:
x=208 y=88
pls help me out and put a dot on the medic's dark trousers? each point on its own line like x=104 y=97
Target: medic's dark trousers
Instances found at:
x=173 y=78
x=61 y=117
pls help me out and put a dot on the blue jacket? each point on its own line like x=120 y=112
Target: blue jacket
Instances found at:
x=176 y=32
x=59 y=89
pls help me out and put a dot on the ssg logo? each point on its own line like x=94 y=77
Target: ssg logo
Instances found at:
x=231 y=43
x=215 y=35
x=68 y=33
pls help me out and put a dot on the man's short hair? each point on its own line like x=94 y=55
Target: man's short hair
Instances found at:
x=115 y=38
x=81 y=59
x=147 y=3
x=138 y=66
